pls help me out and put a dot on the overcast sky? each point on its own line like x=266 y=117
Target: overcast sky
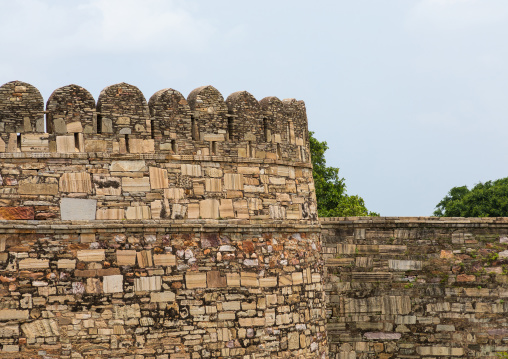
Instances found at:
x=411 y=95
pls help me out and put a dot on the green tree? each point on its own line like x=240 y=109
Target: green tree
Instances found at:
x=489 y=199
x=332 y=199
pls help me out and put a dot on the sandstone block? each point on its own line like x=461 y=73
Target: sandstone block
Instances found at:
x=110 y=214
x=249 y=279
x=241 y=208
x=33 y=263
x=65 y=144
x=233 y=181
x=233 y=279
x=439 y=351
x=195 y=280
x=174 y=193
x=128 y=166
x=193 y=211
x=141 y=184
x=160 y=297
x=113 y=284
x=38 y=188
x=166 y=259
x=146 y=284
x=41 y=328
x=13 y=314
x=66 y=264
x=158 y=178
x=126 y=257
x=91 y=255
x=268 y=282
x=226 y=208
x=36 y=142
x=190 y=170
x=145 y=258
x=79 y=182
x=138 y=212
x=209 y=208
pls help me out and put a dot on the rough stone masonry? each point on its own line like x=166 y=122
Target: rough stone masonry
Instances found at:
x=187 y=228
x=174 y=228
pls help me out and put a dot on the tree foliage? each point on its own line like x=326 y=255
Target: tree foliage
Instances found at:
x=332 y=199
x=489 y=199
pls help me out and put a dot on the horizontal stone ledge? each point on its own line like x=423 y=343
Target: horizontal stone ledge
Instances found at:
x=149 y=156
x=230 y=225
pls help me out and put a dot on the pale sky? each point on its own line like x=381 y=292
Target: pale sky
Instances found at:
x=411 y=95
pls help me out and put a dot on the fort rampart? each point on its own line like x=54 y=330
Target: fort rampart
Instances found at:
x=178 y=228
x=419 y=287
x=187 y=228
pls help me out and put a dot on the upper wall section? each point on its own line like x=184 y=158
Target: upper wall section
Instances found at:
x=123 y=122
x=171 y=158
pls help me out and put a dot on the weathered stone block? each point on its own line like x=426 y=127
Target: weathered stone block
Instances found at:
x=128 y=166
x=145 y=284
x=13 y=314
x=215 y=280
x=195 y=280
x=76 y=182
x=160 y=297
x=33 y=263
x=166 y=259
x=126 y=257
x=158 y=178
x=38 y=188
x=15 y=213
x=91 y=255
x=141 y=184
x=113 y=284
x=77 y=209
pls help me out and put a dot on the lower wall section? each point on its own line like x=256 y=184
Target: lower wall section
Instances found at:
x=416 y=287
x=176 y=290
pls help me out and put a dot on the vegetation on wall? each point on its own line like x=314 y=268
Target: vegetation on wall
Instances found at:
x=489 y=199
x=332 y=199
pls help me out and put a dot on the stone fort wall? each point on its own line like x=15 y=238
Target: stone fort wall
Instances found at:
x=420 y=287
x=174 y=228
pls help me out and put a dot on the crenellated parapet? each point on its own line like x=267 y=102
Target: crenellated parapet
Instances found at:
x=123 y=122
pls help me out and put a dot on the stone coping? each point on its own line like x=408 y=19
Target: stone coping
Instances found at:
x=379 y=221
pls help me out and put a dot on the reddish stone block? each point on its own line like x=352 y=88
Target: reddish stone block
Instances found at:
x=465 y=278
x=14 y=213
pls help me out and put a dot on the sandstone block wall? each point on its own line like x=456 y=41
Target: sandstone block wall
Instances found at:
x=416 y=287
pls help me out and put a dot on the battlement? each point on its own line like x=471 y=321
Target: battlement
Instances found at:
x=123 y=122
x=171 y=158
